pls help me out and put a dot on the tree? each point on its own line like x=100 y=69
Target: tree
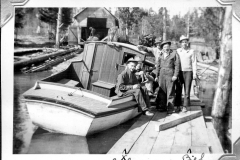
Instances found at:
x=224 y=84
x=19 y=16
x=49 y=15
x=131 y=17
x=207 y=24
x=59 y=21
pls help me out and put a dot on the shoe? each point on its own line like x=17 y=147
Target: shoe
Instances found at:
x=177 y=110
x=147 y=113
x=184 y=109
x=161 y=109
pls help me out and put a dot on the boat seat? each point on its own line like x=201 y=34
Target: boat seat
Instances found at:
x=104 y=88
x=68 y=82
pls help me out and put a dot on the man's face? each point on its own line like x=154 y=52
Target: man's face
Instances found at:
x=166 y=47
x=138 y=67
x=132 y=66
x=184 y=43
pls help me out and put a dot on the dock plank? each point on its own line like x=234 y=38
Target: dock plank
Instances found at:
x=215 y=145
x=179 y=149
x=183 y=135
x=164 y=141
x=148 y=137
x=199 y=149
x=131 y=136
x=180 y=118
x=199 y=132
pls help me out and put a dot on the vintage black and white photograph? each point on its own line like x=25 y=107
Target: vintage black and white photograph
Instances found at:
x=101 y=80
x=120 y=79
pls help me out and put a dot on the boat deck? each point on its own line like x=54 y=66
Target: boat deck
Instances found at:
x=179 y=133
x=89 y=105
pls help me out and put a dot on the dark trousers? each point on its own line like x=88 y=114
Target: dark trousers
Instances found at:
x=185 y=78
x=141 y=96
x=166 y=93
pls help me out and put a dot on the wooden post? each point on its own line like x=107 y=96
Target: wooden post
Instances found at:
x=79 y=34
x=224 y=84
x=59 y=21
x=164 y=24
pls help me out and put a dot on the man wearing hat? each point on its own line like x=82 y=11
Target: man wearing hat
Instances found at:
x=156 y=51
x=167 y=72
x=127 y=84
x=187 y=72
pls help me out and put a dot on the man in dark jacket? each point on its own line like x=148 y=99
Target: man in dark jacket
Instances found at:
x=128 y=84
x=167 y=72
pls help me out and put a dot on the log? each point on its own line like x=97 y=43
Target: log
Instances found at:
x=207 y=66
x=179 y=120
x=23 y=63
x=224 y=84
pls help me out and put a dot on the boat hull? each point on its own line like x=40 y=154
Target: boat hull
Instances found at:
x=67 y=120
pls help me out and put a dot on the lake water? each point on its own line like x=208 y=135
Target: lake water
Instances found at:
x=221 y=125
x=30 y=139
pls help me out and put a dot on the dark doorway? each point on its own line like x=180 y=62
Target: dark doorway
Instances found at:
x=99 y=24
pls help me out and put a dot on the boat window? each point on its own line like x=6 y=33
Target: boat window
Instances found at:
x=126 y=56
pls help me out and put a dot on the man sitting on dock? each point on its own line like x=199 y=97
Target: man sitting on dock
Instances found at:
x=127 y=84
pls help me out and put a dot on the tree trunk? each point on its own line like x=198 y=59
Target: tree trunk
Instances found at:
x=164 y=24
x=224 y=84
x=59 y=21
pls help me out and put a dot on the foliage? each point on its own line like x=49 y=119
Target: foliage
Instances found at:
x=49 y=15
x=19 y=16
x=205 y=23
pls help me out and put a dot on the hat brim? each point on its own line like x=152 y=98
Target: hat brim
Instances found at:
x=184 y=39
x=168 y=42
x=135 y=61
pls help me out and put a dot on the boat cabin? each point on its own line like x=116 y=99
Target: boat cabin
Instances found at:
x=102 y=62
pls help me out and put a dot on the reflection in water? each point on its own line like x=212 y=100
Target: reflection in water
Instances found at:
x=54 y=143
x=28 y=139
x=221 y=125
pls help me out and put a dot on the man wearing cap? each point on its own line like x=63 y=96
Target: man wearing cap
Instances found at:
x=167 y=72
x=187 y=72
x=156 y=51
x=127 y=84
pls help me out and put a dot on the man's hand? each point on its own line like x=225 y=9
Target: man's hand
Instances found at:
x=136 y=86
x=174 y=78
x=140 y=47
x=156 y=79
x=140 y=73
x=194 y=77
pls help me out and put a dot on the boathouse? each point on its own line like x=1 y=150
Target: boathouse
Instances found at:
x=98 y=18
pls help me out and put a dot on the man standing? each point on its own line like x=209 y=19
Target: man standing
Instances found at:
x=187 y=72
x=167 y=72
x=156 y=51
x=127 y=84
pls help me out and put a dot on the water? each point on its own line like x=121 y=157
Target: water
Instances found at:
x=28 y=139
x=206 y=95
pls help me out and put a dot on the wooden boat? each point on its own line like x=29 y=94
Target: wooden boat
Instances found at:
x=81 y=100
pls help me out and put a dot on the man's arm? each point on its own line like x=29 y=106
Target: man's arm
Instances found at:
x=148 y=50
x=177 y=65
x=194 y=64
x=120 y=84
x=158 y=67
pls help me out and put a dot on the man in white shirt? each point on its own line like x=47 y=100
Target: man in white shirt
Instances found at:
x=187 y=72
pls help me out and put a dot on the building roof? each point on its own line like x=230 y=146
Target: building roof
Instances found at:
x=98 y=7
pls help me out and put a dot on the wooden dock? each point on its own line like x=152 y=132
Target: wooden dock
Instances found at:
x=177 y=136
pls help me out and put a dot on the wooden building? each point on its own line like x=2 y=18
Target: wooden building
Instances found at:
x=98 y=18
